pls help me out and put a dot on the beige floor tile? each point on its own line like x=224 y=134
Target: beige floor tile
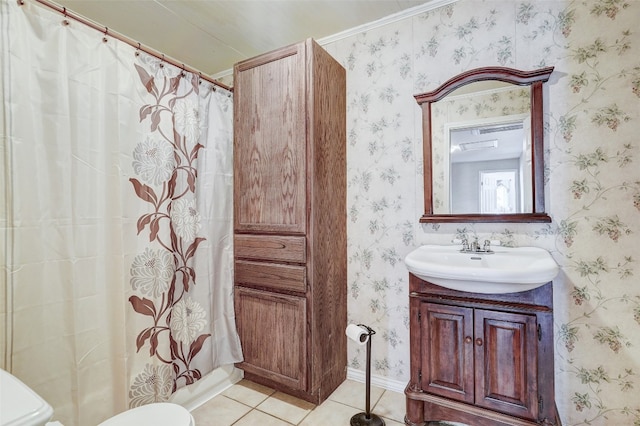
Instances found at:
x=219 y=411
x=249 y=393
x=330 y=413
x=286 y=407
x=354 y=394
x=391 y=405
x=256 y=417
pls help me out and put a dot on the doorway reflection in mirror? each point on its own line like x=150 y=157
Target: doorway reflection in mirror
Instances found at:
x=483 y=152
x=498 y=192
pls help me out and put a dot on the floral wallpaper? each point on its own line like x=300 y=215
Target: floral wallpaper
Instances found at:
x=592 y=122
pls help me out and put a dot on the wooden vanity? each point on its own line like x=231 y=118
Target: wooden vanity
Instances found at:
x=480 y=359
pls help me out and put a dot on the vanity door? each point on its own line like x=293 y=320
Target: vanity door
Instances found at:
x=447 y=357
x=506 y=362
x=482 y=357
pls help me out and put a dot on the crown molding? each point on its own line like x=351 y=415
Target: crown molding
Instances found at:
x=404 y=14
x=390 y=19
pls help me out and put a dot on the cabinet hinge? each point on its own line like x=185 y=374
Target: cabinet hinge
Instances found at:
x=540 y=404
x=419 y=315
x=539 y=332
x=419 y=376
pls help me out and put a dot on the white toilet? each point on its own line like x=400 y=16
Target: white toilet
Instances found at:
x=159 y=414
x=21 y=406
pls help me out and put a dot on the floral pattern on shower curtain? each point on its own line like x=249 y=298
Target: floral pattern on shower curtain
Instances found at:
x=172 y=320
x=116 y=203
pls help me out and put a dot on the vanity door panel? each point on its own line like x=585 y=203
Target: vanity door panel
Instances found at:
x=506 y=362
x=448 y=357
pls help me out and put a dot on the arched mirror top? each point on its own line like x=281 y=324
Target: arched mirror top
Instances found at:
x=504 y=74
x=501 y=180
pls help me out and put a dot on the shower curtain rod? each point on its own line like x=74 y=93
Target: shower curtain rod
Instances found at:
x=107 y=32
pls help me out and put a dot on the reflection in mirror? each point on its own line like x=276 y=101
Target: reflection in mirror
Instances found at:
x=479 y=152
x=483 y=141
x=478 y=128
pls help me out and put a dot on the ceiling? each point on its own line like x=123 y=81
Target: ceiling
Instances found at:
x=212 y=35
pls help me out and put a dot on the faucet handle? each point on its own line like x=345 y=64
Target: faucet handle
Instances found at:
x=487 y=245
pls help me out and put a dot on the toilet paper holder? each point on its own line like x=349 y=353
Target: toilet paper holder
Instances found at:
x=359 y=333
x=367 y=418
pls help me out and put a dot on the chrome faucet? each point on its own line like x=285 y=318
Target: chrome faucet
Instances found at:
x=474 y=247
x=465 y=245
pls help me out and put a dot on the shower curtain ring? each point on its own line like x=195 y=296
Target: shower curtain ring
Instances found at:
x=106 y=33
x=65 y=21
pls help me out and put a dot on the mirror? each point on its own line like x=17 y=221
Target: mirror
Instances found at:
x=483 y=147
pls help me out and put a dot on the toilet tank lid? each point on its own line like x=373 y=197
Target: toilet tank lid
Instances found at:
x=158 y=414
x=19 y=404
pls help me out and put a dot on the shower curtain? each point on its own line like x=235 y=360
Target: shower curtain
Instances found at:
x=116 y=223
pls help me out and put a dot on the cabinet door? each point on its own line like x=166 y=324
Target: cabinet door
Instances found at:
x=506 y=362
x=270 y=143
x=447 y=351
x=272 y=331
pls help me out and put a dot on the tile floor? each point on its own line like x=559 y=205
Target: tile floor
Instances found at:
x=249 y=404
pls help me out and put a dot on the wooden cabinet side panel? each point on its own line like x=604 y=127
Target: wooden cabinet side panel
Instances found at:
x=270 y=145
x=546 y=372
x=327 y=264
x=448 y=358
x=506 y=364
x=272 y=329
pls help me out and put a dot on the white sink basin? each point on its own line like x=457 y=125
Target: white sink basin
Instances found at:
x=506 y=270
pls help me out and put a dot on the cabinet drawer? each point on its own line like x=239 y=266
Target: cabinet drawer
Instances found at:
x=270 y=247
x=283 y=277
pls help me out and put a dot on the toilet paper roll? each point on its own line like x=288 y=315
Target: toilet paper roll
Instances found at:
x=357 y=334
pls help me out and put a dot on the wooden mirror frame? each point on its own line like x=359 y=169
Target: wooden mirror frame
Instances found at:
x=535 y=79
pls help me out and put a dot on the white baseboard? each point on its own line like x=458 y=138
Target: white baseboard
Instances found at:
x=379 y=381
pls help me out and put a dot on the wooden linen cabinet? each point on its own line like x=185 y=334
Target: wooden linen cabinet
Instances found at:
x=290 y=219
